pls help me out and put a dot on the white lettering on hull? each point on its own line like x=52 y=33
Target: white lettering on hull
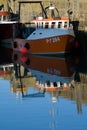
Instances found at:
x=52 y=40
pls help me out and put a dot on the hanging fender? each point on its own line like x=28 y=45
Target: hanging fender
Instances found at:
x=26 y=48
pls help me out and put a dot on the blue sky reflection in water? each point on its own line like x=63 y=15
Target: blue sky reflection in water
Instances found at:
x=38 y=113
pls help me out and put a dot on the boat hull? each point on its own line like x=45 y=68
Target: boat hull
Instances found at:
x=52 y=43
x=5 y=54
x=8 y=30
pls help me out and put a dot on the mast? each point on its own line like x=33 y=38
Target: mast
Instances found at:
x=9 y=6
x=14 y=5
x=76 y=8
x=69 y=11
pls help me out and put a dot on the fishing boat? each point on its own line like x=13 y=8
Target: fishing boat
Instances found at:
x=53 y=35
x=8 y=24
x=9 y=27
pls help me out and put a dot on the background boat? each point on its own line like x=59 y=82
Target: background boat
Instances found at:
x=8 y=23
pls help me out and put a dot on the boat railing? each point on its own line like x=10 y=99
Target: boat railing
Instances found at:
x=6 y=67
x=62 y=24
x=4 y=15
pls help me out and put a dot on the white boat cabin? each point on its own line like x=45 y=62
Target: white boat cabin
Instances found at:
x=49 y=23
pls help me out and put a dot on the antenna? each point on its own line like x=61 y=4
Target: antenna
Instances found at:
x=69 y=10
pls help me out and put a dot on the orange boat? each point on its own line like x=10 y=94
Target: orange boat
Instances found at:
x=52 y=35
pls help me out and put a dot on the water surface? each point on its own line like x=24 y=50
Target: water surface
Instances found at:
x=17 y=112
x=34 y=109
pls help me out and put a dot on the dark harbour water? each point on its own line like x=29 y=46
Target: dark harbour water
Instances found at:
x=33 y=109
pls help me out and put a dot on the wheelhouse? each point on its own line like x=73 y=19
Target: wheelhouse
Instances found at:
x=62 y=24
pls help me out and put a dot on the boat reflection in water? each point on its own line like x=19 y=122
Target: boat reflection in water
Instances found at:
x=50 y=73
x=43 y=69
x=6 y=70
x=19 y=83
